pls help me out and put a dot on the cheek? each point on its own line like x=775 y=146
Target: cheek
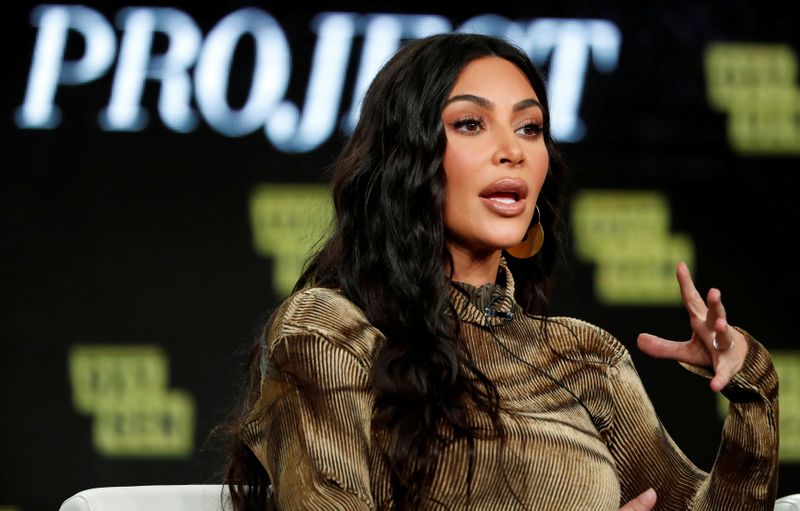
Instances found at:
x=457 y=176
x=540 y=163
x=457 y=191
x=464 y=158
x=453 y=162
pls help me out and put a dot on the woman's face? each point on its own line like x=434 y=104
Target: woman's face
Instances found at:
x=495 y=160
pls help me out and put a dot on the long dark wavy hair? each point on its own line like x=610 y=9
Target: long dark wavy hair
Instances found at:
x=387 y=255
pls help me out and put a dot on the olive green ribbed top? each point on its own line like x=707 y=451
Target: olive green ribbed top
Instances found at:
x=581 y=431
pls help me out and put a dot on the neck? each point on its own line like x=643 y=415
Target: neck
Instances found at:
x=475 y=269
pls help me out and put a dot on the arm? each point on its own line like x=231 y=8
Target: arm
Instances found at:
x=744 y=475
x=312 y=425
x=747 y=463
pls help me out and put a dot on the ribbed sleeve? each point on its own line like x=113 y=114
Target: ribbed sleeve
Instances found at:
x=311 y=427
x=744 y=475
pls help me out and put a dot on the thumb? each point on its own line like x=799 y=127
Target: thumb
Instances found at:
x=659 y=347
x=644 y=502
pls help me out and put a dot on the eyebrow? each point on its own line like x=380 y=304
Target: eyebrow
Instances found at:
x=485 y=103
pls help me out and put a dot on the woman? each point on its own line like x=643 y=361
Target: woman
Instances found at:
x=415 y=365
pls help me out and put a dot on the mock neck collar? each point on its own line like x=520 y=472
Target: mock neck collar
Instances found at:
x=486 y=305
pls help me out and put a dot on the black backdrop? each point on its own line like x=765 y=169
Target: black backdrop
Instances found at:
x=144 y=238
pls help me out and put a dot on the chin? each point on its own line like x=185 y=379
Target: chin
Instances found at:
x=504 y=242
x=507 y=236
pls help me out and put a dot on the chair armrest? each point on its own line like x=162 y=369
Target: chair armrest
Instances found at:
x=188 y=497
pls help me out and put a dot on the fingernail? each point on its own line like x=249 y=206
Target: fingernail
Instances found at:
x=649 y=497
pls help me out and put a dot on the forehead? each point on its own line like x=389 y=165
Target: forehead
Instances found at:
x=495 y=79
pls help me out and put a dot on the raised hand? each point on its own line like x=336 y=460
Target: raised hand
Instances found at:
x=714 y=344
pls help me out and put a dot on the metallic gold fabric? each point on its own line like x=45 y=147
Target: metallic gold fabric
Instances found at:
x=581 y=431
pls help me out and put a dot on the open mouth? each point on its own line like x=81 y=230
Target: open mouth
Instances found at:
x=507 y=190
x=503 y=197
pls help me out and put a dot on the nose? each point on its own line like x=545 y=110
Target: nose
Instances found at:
x=509 y=150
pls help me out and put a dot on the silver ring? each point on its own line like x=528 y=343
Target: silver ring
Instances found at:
x=716 y=346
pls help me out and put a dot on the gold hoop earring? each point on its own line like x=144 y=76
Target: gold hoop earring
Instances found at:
x=532 y=242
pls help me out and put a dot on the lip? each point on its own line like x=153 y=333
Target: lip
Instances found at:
x=506 y=185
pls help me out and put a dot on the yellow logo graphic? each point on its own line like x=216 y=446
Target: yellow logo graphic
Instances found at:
x=755 y=85
x=125 y=389
x=626 y=234
x=287 y=221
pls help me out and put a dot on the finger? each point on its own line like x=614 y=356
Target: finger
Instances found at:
x=644 y=502
x=691 y=298
x=715 y=302
x=659 y=347
x=729 y=361
x=719 y=382
x=715 y=307
x=723 y=372
x=722 y=335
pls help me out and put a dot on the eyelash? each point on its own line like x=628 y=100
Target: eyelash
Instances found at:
x=461 y=124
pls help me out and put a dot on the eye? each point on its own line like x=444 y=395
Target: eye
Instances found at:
x=469 y=125
x=530 y=130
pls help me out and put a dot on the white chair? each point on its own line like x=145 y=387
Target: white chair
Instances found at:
x=188 y=497
x=788 y=503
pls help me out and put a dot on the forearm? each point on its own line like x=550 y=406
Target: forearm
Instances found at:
x=744 y=475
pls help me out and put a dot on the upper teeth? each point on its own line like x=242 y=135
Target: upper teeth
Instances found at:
x=504 y=200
